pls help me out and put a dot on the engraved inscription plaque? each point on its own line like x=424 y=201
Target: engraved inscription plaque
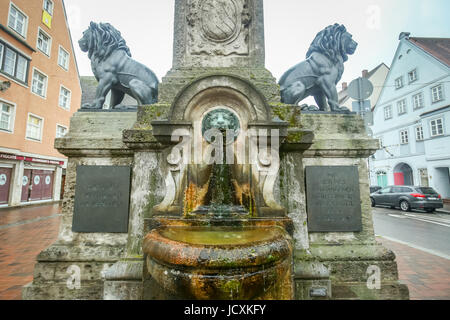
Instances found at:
x=333 y=199
x=102 y=198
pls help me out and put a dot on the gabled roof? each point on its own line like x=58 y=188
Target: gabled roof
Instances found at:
x=437 y=47
x=371 y=73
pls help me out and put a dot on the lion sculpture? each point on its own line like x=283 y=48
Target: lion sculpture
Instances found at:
x=114 y=69
x=322 y=70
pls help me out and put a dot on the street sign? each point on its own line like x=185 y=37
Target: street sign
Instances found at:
x=360 y=89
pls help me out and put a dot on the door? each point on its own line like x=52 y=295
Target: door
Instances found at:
x=399 y=178
x=26 y=184
x=382 y=196
x=47 y=189
x=382 y=180
x=5 y=182
x=37 y=185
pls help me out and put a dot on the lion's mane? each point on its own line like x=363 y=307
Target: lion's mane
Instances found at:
x=105 y=39
x=329 y=43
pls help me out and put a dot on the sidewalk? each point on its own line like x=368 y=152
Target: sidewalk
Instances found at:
x=446 y=209
x=24 y=233
x=427 y=276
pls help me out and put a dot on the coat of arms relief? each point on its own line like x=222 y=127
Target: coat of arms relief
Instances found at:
x=218 y=27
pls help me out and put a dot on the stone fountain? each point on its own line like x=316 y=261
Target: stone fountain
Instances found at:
x=218 y=190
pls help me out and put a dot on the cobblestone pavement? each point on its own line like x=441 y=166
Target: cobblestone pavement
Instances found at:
x=25 y=232
x=427 y=276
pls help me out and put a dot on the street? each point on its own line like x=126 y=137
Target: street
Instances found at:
x=429 y=232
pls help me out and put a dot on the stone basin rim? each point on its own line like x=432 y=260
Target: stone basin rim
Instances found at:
x=182 y=255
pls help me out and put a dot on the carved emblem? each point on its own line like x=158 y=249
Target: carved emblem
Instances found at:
x=218 y=27
x=219 y=19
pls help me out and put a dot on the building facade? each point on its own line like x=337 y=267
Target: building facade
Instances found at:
x=377 y=77
x=412 y=117
x=40 y=92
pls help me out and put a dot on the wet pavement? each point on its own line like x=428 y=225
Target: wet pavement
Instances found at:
x=25 y=232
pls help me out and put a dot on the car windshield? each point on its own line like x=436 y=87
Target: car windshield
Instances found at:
x=427 y=190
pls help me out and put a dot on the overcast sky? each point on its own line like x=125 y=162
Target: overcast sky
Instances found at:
x=290 y=27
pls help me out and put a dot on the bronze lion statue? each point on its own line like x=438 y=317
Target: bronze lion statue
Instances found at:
x=114 y=69
x=322 y=70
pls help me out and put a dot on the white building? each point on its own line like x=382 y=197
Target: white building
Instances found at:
x=412 y=117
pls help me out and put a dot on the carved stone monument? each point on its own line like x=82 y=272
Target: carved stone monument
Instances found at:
x=220 y=205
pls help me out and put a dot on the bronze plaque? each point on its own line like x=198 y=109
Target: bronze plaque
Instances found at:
x=333 y=199
x=102 y=199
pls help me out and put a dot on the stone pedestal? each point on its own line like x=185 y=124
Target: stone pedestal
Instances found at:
x=341 y=263
x=95 y=139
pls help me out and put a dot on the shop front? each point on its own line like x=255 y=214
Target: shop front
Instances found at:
x=25 y=180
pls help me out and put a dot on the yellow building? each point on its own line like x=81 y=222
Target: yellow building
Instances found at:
x=39 y=91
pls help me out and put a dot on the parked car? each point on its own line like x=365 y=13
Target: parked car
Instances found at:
x=408 y=198
x=375 y=189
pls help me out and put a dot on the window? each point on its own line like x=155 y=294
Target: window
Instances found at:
x=60 y=131
x=34 y=128
x=404 y=139
x=6 y=117
x=17 y=21
x=387 y=112
x=401 y=106
x=48 y=6
x=412 y=76
x=44 y=42
x=418 y=101
x=2 y=48
x=63 y=59
x=39 y=86
x=437 y=93
x=386 y=190
x=12 y=63
x=437 y=127
x=64 y=98
x=399 y=83
x=419 y=133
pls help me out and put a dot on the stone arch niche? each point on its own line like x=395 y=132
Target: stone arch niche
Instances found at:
x=252 y=157
x=403 y=175
x=237 y=91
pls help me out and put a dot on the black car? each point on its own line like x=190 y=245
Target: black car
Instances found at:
x=408 y=198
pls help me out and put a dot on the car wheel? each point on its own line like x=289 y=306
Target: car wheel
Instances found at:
x=431 y=210
x=373 y=202
x=404 y=205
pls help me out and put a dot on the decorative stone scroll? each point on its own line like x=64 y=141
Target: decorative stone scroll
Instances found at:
x=218 y=27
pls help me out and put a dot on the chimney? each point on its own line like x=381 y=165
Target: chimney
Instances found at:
x=365 y=74
x=404 y=35
x=344 y=86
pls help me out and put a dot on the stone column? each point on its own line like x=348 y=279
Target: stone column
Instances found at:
x=341 y=261
x=57 y=184
x=16 y=184
x=95 y=139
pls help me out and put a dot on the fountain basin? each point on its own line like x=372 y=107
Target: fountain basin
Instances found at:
x=222 y=263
